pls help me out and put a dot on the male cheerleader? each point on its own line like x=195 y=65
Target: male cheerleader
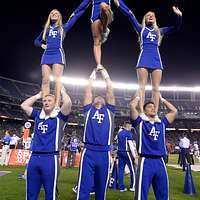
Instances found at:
x=42 y=169
x=95 y=159
x=126 y=153
x=151 y=167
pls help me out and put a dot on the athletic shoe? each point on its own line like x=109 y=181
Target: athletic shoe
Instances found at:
x=24 y=177
x=105 y=35
x=92 y=193
x=99 y=67
x=75 y=188
x=132 y=189
x=123 y=190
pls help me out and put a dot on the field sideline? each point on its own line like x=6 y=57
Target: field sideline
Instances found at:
x=13 y=189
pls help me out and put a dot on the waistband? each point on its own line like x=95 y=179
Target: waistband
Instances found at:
x=151 y=156
x=97 y=147
x=45 y=153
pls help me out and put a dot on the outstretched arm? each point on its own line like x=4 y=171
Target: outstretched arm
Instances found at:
x=67 y=104
x=76 y=15
x=173 y=111
x=176 y=26
x=126 y=11
x=110 y=98
x=82 y=7
x=88 y=90
x=28 y=103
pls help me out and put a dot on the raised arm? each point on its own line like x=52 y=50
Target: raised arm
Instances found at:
x=110 y=98
x=88 y=97
x=66 y=103
x=28 y=103
x=133 y=108
x=173 y=111
x=176 y=26
x=72 y=20
x=126 y=11
x=76 y=15
x=82 y=7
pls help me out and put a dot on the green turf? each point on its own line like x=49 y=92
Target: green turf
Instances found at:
x=13 y=189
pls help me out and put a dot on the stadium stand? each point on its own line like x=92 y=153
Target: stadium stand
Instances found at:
x=13 y=92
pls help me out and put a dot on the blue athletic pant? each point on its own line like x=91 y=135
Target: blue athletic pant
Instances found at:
x=42 y=170
x=93 y=173
x=125 y=158
x=151 y=171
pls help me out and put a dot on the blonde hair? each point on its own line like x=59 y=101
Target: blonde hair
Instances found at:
x=155 y=26
x=49 y=95
x=48 y=22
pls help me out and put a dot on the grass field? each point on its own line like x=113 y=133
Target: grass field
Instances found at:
x=13 y=189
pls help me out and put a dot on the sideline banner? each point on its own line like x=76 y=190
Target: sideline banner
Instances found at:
x=20 y=157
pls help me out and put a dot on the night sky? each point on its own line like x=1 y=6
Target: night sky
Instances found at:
x=22 y=21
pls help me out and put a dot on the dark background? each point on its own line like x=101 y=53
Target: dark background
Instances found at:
x=22 y=21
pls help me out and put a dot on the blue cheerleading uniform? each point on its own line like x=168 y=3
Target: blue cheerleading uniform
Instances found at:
x=95 y=8
x=95 y=159
x=43 y=166
x=54 y=53
x=149 y=56
x=151 y=168
x=125 y=157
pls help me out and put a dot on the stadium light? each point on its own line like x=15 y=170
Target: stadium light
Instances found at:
x=170 y=129
x=120 y=85
x=183 y=129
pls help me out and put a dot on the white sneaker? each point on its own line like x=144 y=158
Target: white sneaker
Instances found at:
x=92 y=193
x=124 y=190
x=144 y=117
x=75 y=188
x=132 y=189
x=99 y=67
x=105 y=35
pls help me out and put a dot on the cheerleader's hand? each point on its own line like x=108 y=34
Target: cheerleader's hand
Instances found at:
x=177 y=11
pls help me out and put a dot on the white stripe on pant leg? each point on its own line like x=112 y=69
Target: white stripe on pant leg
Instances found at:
x=140 y=178
x=166 y=176
x=80 y=174
x=55 y=177
x=107 y=175
x=132 y=169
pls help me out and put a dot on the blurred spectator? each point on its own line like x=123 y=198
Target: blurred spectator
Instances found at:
x=184 y=145
x=6 y=146
x=14 y=141
x=72 y=150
